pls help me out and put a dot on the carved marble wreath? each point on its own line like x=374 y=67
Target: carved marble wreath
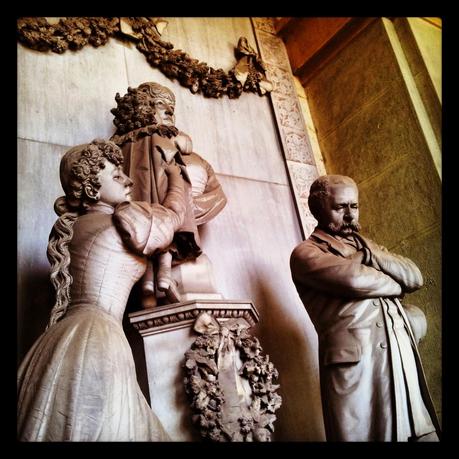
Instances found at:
x=230 y=382
x=248 y=74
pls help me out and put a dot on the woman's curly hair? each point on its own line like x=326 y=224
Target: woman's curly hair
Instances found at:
x=79 y=171
x=80 y=167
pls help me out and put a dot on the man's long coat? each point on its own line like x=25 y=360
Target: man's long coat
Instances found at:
x=372 y=383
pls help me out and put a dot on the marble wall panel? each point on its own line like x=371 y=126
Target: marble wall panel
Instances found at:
x=249 y=245
x=209 y=39
x=37 y=188
x=66 y=99
x=237 y=136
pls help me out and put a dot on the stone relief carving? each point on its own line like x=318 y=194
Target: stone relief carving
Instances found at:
x=250 y=70
x=289 y=113
x=281 y=80
x=292 y=127
x=273 y=50
x=265 y=24
x=304 y=175
x=298 y=148
x=230 y=383
x=73 y=33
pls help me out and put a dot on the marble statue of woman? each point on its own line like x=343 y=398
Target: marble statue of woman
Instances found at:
x=78 y=381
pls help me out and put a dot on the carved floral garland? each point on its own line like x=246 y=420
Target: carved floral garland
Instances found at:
x=74 y=33
x=201 y=384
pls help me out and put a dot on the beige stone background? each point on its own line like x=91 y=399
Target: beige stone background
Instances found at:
x=373 y=112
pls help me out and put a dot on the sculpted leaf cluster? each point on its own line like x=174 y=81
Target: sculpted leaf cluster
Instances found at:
x=73 y=33
x=207 y=397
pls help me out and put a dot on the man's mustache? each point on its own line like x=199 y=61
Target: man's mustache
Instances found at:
x=344 y=227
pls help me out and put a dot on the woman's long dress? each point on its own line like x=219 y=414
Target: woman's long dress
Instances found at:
x=78 y=381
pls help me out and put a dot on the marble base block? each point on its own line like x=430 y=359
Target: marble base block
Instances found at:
x=167 y=333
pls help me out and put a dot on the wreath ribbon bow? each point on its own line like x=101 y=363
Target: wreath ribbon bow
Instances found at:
x=207 y=324
x=227 y=355
x=231 y=382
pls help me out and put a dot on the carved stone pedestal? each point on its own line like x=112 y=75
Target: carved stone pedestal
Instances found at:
x=167 y=333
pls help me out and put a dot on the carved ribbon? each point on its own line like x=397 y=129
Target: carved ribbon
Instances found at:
x=227 y=356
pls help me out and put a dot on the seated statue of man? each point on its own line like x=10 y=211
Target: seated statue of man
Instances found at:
x=149 y=140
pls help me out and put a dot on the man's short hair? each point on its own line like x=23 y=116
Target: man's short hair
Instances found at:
x=320 y=190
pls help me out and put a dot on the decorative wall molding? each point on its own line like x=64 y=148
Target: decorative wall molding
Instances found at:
x=265 y=24
x=174 y=316
x=272 y=49
x=281 y=80
x=302 y=175
x=293 y=132
x=288 y=111
x=298 y=147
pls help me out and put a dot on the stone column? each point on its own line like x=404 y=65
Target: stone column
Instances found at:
x=167 y=333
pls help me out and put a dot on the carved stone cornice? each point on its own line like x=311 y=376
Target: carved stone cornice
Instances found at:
x=170 y=317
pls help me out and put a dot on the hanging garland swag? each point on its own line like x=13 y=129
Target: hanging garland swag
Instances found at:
x=248 y=74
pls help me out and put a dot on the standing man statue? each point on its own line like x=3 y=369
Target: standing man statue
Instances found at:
x=149 y=140
x=372 y=383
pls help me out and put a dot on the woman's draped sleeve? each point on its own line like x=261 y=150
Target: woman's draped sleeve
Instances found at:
x=146 y=228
